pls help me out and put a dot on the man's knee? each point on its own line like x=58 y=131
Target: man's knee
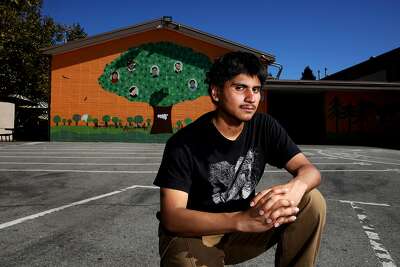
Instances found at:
x=315 y=205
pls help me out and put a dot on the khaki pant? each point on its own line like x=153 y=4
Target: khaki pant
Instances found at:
x=298 y=242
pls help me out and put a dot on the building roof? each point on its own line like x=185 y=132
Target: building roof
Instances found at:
x=322 y=85
x=371 y=65
x=161 y=23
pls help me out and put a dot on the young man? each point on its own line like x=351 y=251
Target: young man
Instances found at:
x=210 y=215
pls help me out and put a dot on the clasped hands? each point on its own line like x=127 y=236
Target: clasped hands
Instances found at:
x=274 y=206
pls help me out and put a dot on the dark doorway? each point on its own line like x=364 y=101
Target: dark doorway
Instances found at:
x=301 y=114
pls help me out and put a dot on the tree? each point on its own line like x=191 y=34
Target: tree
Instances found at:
x=138 y=119
x=73 y=32
x=335 y=111
x=76 y=118
x=115 y=120
x=188 y=121
x=307 y=74
x=148 y=122
x=57 y=119
x=96 y=122
x=106 y=119
x=23 y=32
x=64 y=121
x=349 y=113
x=146 y=74
x=179 y=124
x=129 y=120
x=69 y=122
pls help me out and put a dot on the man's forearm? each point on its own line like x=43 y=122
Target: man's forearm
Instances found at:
x=308 y=177
x=186 y=222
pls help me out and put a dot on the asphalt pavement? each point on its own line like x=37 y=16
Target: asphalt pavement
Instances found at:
x=93 y=204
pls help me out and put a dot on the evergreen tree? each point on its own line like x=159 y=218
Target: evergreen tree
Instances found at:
x=307 y=74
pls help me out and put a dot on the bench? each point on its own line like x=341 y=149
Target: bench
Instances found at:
x=6 y=134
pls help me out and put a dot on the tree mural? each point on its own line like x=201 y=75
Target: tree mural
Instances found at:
x=76 y=118
x=57 y=119
x=138 y=119
x=160 y=74
x=188 y=121
x=116 y=121
x=349 y=113
x=106 y=119
x=336 y=111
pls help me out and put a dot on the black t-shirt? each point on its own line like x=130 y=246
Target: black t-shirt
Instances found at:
x=218 y=174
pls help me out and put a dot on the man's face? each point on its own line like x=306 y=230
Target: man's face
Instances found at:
x=239 y=98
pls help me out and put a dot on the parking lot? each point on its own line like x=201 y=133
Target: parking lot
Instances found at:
x=93 y=204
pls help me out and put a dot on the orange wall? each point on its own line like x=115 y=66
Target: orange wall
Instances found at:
x=75 y=88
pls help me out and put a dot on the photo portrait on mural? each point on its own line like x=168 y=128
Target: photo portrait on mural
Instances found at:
x=155 y=71
x=131 y=65
x=192 y=84
x=178 y=66
x=114 y=77
x=133 y=91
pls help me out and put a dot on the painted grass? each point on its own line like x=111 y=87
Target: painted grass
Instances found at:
x=110 y=134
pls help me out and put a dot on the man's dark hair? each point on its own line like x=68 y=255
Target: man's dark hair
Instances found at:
x=232 y=64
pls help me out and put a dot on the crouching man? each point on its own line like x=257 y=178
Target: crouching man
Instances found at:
x=210 y=214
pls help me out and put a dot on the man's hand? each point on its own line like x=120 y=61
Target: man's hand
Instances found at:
x=253 y=220
x=279 y=204
x=273 y=201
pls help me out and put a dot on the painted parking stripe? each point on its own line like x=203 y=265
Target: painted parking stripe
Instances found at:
x=95 y=153
x=379 y=249
x=43 y=213
x=135 y=149
x=116 y=171
x=360 y=202
x=79 y=163
x=157 y=163
x=342 y=163
x=90 y=157
x=358 y=159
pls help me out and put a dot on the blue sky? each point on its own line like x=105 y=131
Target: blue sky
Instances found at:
x=331 y=34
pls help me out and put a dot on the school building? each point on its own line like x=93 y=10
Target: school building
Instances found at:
x=144 y=82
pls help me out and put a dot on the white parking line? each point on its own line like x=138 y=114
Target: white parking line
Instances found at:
x=79 y=171
x=359 y=202
x=34 y=216
x=84 y=149
x=354 y=158
x=122 y=171
x=95 y=153
x=78 y=163
x=157 y=163
x=90 y=157
x=380 y=251
x=342 y=163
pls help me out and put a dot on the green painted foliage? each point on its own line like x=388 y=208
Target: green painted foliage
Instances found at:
x=57 y=119
x=166 y=89
x=188 y=121
x=76 y=118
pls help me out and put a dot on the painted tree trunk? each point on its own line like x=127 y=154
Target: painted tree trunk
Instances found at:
x=162 y=120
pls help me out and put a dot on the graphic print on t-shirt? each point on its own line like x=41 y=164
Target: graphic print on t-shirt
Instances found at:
x=233 y=182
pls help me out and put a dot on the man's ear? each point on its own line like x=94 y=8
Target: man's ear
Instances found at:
x=215 y=93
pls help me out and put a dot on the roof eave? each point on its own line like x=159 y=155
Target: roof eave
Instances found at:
x=149 y=25
x=319 y=85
